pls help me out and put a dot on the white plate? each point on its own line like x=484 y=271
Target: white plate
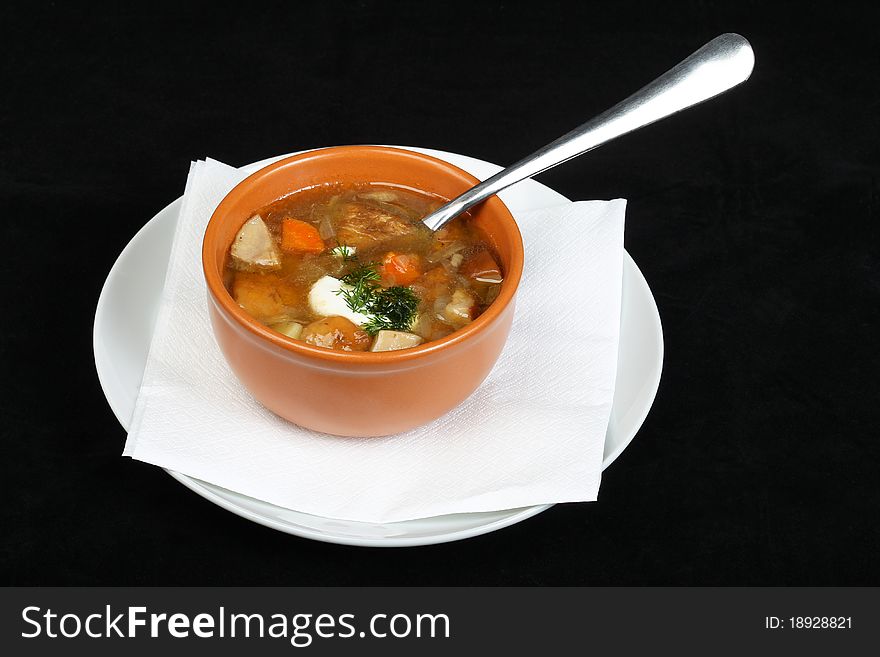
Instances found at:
x=124 y=322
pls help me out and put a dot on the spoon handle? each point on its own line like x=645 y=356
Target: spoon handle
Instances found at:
x=722 y=63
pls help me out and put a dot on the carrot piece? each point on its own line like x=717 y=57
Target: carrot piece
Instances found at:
x=400 y=269
x=298 y=236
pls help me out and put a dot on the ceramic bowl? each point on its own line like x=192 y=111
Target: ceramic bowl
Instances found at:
x=358 y=393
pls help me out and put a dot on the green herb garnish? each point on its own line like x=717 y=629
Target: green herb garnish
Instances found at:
x=347 y=253
x=392 y=308
x=362 y=282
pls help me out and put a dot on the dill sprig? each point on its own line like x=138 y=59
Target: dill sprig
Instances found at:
x=346 y=252
x=392 y=308
x=362 y=282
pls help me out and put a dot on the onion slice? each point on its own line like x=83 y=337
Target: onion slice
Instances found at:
x=326 y=229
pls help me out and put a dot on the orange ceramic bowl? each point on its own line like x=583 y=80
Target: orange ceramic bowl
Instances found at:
x=358 y=393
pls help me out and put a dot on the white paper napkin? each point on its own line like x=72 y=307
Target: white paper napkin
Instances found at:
x=532 y=433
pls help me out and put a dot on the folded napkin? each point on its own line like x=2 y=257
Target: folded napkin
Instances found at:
x=532 y=433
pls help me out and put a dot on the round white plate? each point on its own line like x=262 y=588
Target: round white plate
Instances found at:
x=124 y=322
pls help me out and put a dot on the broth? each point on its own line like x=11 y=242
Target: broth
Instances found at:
x=353 y=268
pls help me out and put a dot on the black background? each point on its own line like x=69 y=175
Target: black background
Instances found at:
x=753 y=218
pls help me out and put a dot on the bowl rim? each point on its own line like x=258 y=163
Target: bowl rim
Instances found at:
x=222 y=298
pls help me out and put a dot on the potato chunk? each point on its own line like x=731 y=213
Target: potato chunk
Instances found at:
x=394 y=340
x=364 y=226
x=265 y=297
x=336 y=333
x=253 y=247
x=290 y=329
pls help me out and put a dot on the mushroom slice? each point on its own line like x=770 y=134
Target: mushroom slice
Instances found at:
x=483 y=268
x=254 y=248
x=364 y=226
x=459 y=310
x=394 y=340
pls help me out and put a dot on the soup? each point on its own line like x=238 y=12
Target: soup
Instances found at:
x=353 y=268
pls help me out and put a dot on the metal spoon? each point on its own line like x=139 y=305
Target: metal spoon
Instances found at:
x=722 y=63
